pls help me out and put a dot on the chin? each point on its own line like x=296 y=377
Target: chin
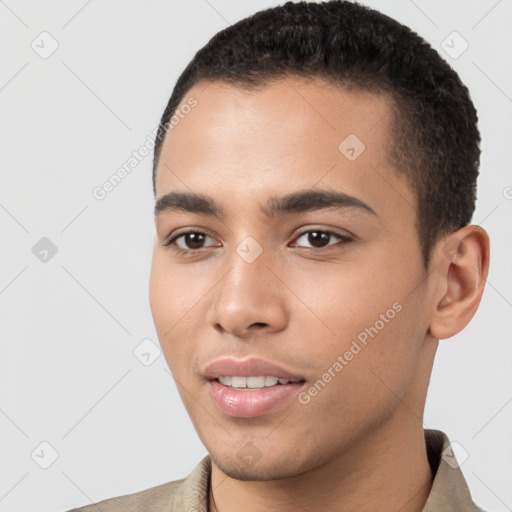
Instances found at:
x=239 y=471
x=261 y=469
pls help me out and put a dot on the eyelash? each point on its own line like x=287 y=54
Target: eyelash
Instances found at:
x=170 y=243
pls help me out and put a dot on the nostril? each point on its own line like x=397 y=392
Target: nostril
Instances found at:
x=259 y=324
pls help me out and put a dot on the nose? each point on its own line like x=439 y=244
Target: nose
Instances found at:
x=249 y=299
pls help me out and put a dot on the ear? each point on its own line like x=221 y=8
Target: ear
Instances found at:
x=461 y=261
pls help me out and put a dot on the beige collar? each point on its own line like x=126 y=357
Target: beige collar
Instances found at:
x=449 y=492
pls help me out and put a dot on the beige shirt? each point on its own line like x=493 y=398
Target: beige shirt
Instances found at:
x=449 y=491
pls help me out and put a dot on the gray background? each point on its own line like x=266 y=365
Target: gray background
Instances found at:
x=71 y=323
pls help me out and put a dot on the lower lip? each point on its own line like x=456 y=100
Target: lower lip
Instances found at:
x=249 y=403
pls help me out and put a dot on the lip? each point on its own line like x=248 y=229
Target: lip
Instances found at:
x=247 y=402
x=250 y=367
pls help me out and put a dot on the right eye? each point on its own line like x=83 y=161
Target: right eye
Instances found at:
x=187 y=241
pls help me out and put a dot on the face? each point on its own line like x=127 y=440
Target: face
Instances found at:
x=301 y=262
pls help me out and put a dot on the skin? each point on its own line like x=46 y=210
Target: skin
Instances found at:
x=359 y=443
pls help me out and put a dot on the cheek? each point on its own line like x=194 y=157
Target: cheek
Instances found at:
x=174 y=293
x=358 y=386
x=342 y=302
x=172 y=296
x=368 y=333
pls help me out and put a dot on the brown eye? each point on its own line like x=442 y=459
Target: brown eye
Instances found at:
x=193 y=240
x=318 y=239
x=188 y=241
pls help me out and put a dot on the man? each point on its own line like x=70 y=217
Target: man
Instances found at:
x=314 y=176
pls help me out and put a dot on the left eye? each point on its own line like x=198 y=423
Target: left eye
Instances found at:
x=319 y=239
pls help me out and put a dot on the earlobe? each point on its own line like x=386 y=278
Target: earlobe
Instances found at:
x=462 y=263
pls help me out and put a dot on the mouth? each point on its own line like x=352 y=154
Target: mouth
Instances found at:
x=254 y=382
x=251 y=387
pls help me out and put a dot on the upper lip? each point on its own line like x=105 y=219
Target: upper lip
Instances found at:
x=250 y=367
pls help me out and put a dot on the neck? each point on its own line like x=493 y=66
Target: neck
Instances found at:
x=384 y=473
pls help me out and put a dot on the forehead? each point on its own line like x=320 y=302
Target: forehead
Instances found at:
x=310 y=110
x=290 y=132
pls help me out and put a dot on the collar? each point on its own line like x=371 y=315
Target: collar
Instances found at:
x=449 y=491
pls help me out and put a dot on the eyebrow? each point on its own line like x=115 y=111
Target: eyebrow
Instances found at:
x=301 y=201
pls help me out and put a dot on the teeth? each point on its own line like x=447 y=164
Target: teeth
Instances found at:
x=271 y=381
x=256 y=382
x=225 y=380
x=239 y=382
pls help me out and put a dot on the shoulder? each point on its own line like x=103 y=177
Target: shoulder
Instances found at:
x=152 y=499
x=190 y=493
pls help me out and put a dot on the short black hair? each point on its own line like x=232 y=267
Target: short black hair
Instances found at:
x=435 y=141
